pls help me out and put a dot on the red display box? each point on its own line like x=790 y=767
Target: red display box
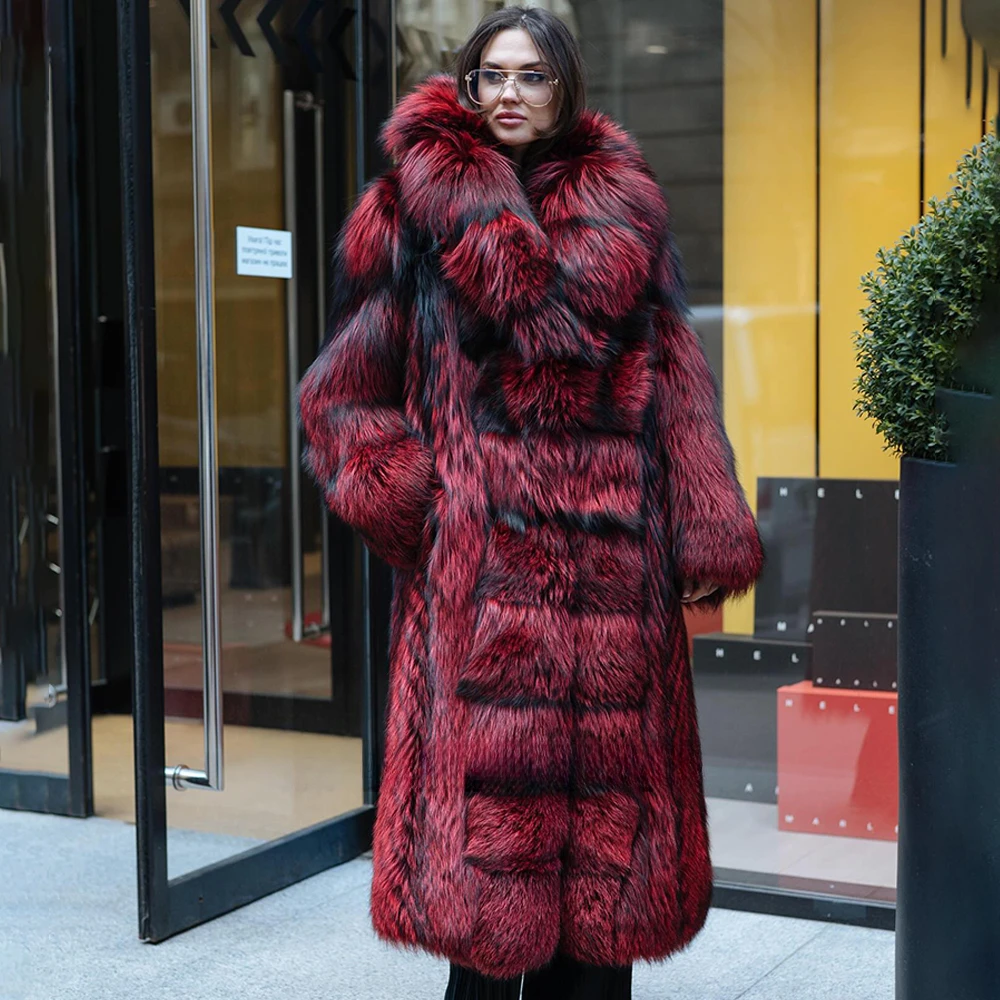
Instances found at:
x=838 y=762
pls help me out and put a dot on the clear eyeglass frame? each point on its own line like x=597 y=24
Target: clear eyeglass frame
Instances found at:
x=510 y=76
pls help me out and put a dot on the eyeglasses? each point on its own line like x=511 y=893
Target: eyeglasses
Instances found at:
x=486 y=86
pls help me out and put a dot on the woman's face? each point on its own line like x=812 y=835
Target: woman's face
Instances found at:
x=513 y=121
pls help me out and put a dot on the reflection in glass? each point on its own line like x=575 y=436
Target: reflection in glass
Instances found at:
x=33 y=729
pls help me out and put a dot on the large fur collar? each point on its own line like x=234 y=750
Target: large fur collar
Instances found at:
x=557 y=257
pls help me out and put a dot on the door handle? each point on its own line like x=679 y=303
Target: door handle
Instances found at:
x=320 y=333
x=292 y=326
x=208 y=454
x=303 y=101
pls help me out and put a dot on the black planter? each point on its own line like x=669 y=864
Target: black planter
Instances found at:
x=948 y=899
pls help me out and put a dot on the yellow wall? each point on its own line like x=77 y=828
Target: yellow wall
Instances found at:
x=769 y=248
x=869 y=169
x=867 y=147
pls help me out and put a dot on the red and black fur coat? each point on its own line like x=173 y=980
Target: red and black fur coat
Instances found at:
x=513 y=411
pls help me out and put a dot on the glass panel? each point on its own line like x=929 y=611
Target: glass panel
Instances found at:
x=292 y=746
x=33 y=731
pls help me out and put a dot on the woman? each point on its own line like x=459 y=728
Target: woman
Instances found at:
x=514 y=413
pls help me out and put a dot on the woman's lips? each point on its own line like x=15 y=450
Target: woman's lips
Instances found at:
x=510 y=119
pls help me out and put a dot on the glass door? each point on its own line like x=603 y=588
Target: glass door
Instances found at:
x=46 y=614
x=256 y=639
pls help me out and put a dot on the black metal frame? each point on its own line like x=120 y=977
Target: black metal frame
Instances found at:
x=102 y=304
x=167 y=907
x=805 y=898
x=71 y=794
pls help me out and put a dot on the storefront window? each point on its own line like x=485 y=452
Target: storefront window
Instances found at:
x=792 y=140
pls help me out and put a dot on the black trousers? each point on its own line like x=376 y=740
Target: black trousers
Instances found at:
x=562 y=979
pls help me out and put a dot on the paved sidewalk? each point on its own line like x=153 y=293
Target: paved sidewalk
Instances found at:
x=68 y=931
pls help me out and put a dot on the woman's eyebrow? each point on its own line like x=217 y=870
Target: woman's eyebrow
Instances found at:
x=531 y=65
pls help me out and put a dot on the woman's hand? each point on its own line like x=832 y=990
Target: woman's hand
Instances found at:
x=693 y=591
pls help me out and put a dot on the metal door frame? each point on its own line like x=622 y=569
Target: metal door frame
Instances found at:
x=169 y=906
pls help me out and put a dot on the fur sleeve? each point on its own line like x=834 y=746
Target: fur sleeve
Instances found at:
x=376 y=471
x=715 y=536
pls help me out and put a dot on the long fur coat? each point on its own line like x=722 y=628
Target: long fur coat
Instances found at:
x=513 y=411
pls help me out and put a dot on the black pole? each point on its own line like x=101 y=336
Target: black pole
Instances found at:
x=69 y=366
x=104 y=343
x=143 y=462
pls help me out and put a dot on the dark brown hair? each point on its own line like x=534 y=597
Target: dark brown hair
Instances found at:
x=555 y=44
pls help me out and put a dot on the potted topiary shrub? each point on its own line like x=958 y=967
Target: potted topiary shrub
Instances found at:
x=929 y=355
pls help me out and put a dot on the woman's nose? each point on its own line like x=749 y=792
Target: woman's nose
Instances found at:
x=508 y=92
